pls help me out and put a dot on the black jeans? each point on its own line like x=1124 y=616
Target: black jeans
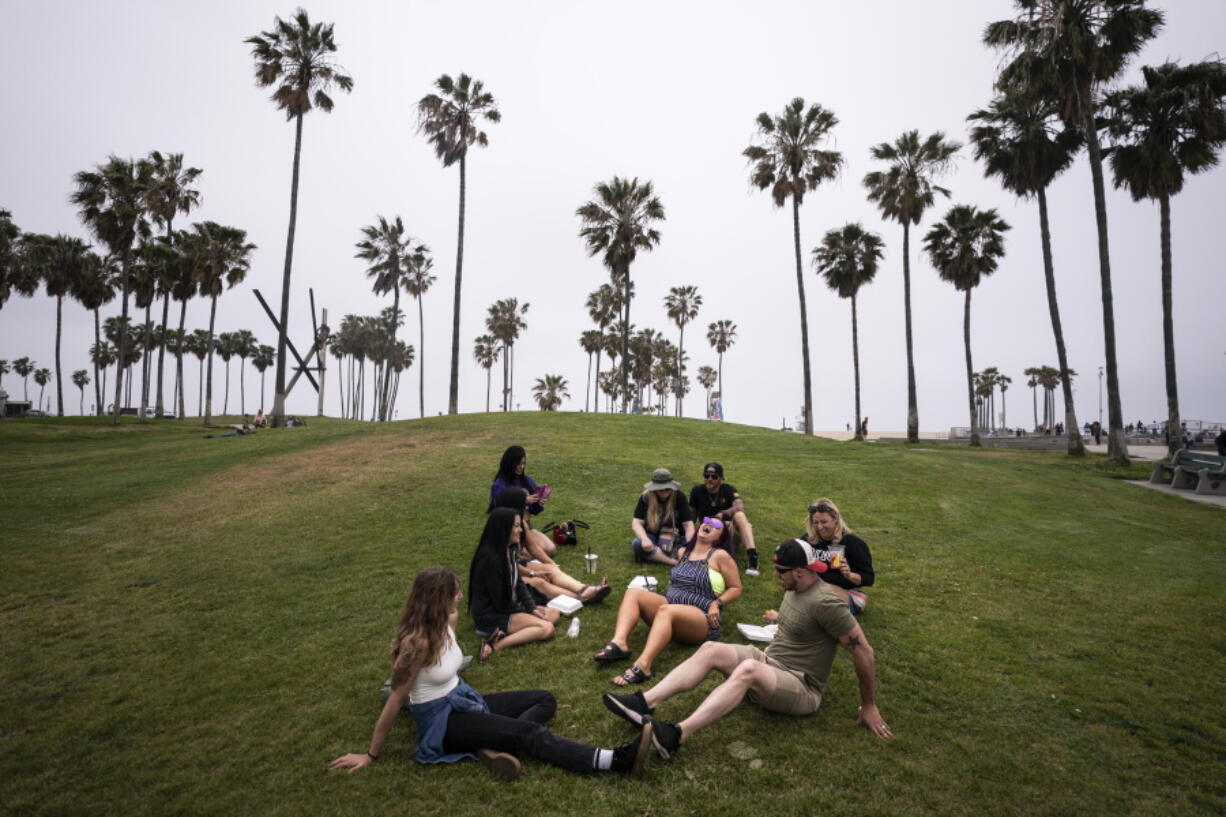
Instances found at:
x=515 y=724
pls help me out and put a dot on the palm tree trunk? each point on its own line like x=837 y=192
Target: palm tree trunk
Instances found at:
x=453 y=394
x=98 y=387
x=159 y=406
x=1034 y=399
x=225 y=405
x=680 y=374
x=1076 y=448
x=179 y=359
x=242 y=386
x=385 y=411
x=970 y=371
x=1117 y=445
x=123 y=336
x=855 y=361
x=81 y=406
x=1168 y=331
x=804 y=318
x=587 y=386
x=721 y=386
x=278 y=403
x=200 y=391
x=59 y=331
x=263 y=388
x=912 y=407
x=147 y=363
x=596 y=380
x=208 y=395
x=421 y=360
x=626 y=340
x=489 y=379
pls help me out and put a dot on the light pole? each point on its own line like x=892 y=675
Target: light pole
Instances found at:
x=1100 y=395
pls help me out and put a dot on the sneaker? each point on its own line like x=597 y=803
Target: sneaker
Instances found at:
x=629 y=758
x=631 y=707
x=500 y=763
x=666 y=737
x=752 y=570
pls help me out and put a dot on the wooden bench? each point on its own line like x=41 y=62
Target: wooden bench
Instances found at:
x=1185 y=468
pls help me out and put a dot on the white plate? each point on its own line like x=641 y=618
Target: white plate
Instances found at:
x=756 y=633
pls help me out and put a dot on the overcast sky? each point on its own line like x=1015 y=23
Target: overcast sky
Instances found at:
x=667 y=92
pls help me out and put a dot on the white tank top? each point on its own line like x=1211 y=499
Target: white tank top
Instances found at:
x=439 y=678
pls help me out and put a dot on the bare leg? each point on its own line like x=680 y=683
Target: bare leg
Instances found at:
x=636 y=605
x=683 y=622
x=712 y=656
x=744 y=529
x=525 y=628
x=543 y=542
x=567 y=584
x=653 y=554
x=546 y=589
x=748 y=675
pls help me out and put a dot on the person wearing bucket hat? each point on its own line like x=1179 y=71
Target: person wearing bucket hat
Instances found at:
x=661 y=518
x=789 y=677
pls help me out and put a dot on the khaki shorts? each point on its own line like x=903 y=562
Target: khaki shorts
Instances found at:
x=792 y=696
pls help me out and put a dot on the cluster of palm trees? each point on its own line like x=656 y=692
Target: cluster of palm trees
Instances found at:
x=986 y=384
x=361 y=339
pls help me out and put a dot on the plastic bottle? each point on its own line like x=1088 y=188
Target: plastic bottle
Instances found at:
x=573 y=630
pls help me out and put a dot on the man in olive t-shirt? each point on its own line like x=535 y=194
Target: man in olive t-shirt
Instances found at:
x=788 y=678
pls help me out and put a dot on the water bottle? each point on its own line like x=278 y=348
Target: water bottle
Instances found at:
x=573 y=630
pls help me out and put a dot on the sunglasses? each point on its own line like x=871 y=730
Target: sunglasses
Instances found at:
x=715 y=523
x=710 y=476
x=821 y=507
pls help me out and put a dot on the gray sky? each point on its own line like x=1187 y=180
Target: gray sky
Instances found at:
x=662 y=91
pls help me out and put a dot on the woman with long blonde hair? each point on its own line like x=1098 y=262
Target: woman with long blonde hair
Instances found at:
x=662 y=520
x=852 y=570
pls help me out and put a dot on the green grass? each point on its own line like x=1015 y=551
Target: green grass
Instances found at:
x=193 y=626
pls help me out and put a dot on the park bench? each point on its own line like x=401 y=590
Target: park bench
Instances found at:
x=1190 y=469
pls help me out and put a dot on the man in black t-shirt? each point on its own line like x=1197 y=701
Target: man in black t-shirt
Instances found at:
x=719 y=500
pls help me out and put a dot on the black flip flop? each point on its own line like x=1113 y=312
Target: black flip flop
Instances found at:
x=611 y=652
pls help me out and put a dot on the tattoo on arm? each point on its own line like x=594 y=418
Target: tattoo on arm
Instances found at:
x=853 y=642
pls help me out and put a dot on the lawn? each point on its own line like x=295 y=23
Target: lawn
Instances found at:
x=196 y=626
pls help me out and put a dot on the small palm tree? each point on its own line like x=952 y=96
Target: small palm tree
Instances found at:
x=682 y=305
x=418 y=279
x=450 y=120
x=903 y=192
x=1022 y=140
x=590 y=341
x=297 y=57
x=23 y=366
x=485 y=352
x=103 y=355
x=505 y=321
x=1066 y=50
x=16 y=273
x=789 y=161
x=80 y=379
x=61 y=262
x=244 y=347
x=42 y=377
x=264 y=357
x=722 y=337
x=706 y=378
x=226 y=349
x=94 y=289
x=603 y=305
x=201 y=344
x=848 y=259
x=550 y=391
x=1173 y=125
x=964 y=247
x=616 y=225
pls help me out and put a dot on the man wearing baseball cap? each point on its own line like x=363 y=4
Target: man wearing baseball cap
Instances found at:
x=788 y=678
x=721 y=500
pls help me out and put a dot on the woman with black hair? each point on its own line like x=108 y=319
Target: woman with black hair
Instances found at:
x=511 y=475
x=501 y=604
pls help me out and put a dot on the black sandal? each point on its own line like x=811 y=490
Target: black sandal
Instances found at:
x=632 y=676
x=487 y=646
x=611 y=652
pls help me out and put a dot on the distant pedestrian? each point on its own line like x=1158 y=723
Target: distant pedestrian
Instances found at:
x=1096 y=429
x=1220 y=440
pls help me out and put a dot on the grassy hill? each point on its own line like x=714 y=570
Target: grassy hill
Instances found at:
x=196 y=626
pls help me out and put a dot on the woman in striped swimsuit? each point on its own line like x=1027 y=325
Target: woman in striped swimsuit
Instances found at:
x=704 y=580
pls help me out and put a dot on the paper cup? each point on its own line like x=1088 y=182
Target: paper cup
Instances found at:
x=591 y=561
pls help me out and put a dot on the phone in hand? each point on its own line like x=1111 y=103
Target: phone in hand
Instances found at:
x=543 y=492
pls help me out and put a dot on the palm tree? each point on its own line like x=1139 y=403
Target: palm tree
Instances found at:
x=15 y=273
x=174 y=342
x=848 y=260
x=450 y=120
x=151 y=270
x=296 y=56
x=170 y=192
x=706 y=378
x=485 y=352
x=60 y=262
x=1003 y=382
x=183 y=287
x=603 y=305
x=94 y=289
x=244 y=347
x=23 y=366
x=903 y=192
x=264 y=357
x=80 y=379
x=1174 y=124
x=1066 y=50
x=103 y=355
x=1022 y=140
x=789 y=161
x=418 y=279
x=617 y=224
x=505 y=322
x=42 y=377
x=722 y=337
x=221 y=257
x=111 y=201
x=200 y=343
x=964 y=247
x=226 y=349
x=5 y=368
x=590 y=341
x=550 y=391
x=682 y=305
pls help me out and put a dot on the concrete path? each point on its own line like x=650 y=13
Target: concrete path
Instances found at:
x=1207 y=499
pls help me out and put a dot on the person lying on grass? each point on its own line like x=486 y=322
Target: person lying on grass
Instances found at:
x=453 y=720
x=788 y=678
x=852 y=570
x=502 y=606
x=703 y=581
x=538 y=569
x=661 y=520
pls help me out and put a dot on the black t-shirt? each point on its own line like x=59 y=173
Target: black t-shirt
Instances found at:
x=855 y=550
x=681 y=513
x=706 y=504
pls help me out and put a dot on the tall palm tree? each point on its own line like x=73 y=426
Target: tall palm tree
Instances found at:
x=505 y=321
x=297 y=57
x=42 y=377
x=485 y=352
x=789 y=161
x=1003 y=382
x=964 y=247
x=603 y=305
x=590 y=341
x=221 y=258
x=706 y=378
x=184 y=286
x=103 y=355
x=848 y=259
x=80 y=379
x=244 y=347
x=171 y=191
x=111 y=202
x=1022 y=140
x=682 y=305
x=903 y=191
x=200 y=343
x=1066 y=50
x=226 y=349
x=1173 y=124
x=617 y=224
x=60 y=262
x=550 y=391
x=418 y=279
x=152 y=268
x=264 y=357
x=23 y=366
x=722 y=337
x=451 y=121
x=94 y=289
x=174 y=342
